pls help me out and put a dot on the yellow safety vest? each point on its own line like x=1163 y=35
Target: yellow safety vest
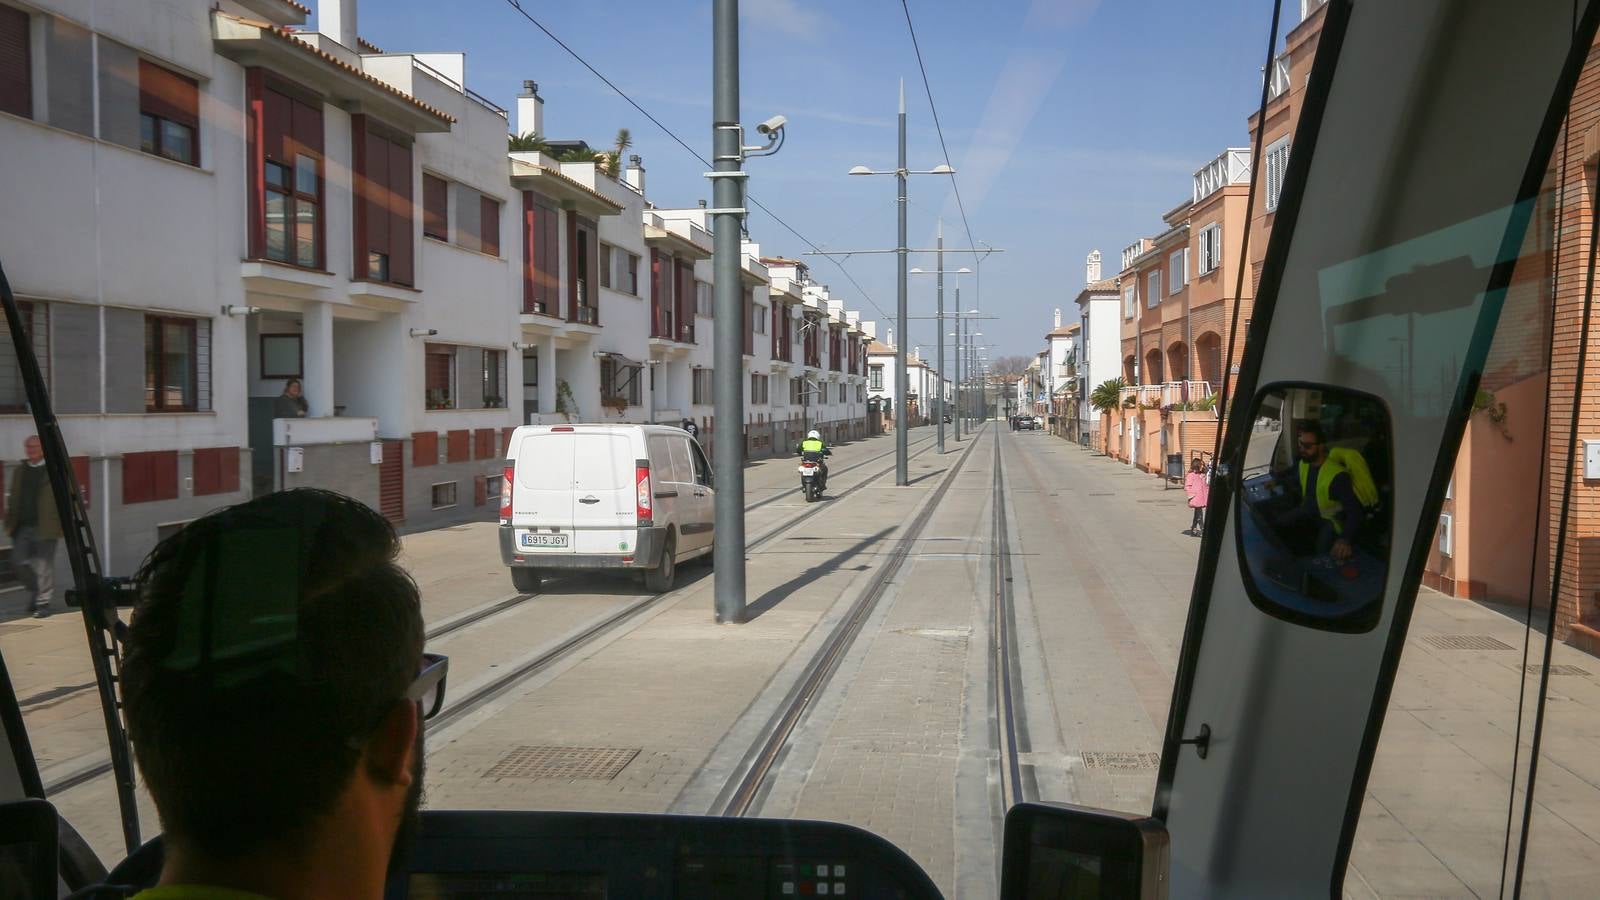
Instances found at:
x=1329 y=507
x=811 y=445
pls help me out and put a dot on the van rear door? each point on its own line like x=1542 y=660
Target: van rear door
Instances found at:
x=604 y=516
x=541 y=494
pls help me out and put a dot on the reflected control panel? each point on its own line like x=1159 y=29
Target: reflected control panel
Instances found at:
x=543 y=855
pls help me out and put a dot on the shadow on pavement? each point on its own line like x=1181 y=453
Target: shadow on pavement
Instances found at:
x=779 y=593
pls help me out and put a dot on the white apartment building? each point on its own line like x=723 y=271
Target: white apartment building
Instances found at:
x=220 y=200
x=1100 y=335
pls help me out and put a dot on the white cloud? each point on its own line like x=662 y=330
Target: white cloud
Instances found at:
x=790 y=17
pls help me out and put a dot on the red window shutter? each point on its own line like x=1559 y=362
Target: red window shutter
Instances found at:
x=165 y=93
x=425 y=448
x=657 y=299
x=685 y=293
x=3 y=488
x=401 y=216
x=205 y=472
x=16 y=63
x=277 y=127
x=483 y=440
x=552 y=260
x=164 y=474
x=228 y=462
x=308 y=126
x=80 y=471
x=505 y=436
x=372 y=176
x=480 y=490
x=136 y=478
x=460 y=448
x=435 y=207
x=489 y=208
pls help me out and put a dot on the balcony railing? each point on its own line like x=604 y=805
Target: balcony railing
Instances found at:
x=587 y=315
x=1184 y=392
x=686 y=332
x=1279 y=76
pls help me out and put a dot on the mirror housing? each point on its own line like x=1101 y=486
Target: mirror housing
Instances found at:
x=1057 y=851
x=30 y=849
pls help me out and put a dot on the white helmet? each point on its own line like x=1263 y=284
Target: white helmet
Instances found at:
x=814 y=435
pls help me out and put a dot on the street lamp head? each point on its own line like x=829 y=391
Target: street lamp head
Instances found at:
x=917 y=270
x=941 y=169
x=861 y=170
x=963 y=271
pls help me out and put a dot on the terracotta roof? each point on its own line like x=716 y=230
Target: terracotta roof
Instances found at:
x=1063 y=331
x=876 y=347
x=364 y=44
x=288 y=36
x=547 y=172
x=304 y=9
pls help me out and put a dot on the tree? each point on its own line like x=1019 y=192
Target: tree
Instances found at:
x=527 y=142
x=623 y=141
x=1107 y=396
x=1010 y=365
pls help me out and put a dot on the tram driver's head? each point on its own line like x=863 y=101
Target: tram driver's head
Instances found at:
x=266 y=683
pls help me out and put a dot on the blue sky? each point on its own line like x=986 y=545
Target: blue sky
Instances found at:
x=1073 y=124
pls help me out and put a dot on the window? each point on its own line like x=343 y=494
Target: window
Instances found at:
x=606 y=265
x=875 y=377
x=530 y=380
x=760 y=321
x=494 y=379
x=288 y=163
x=1178 y=270
x=630 y=280
x=540 y=268
x=1210 y=243
x=701 y=387
x=861 y=394
x=383 y=217
x=169 y=114
x=35 y=320
x=842 y=394
x=435 y=207
x=618 y=378
x=489 y=215
x=444 y=495
x=439 y=370
x=172 y=363
x=1277 y=155
x=1152 y=297
x=16 y=63
x=758 y=388
x=1127 y=302
x=282 y=356
x=703 y=303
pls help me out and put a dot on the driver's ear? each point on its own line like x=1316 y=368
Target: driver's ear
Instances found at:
x=388 y=751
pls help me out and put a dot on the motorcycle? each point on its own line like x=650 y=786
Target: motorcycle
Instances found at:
x=812 y=482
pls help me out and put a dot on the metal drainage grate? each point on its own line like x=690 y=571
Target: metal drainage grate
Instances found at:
x=585 y=763
x=1121 y=761
x=1559 y=669
x=1465 y=642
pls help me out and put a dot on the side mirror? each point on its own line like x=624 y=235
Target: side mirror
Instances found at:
x=30 y=850
x=1057 y=851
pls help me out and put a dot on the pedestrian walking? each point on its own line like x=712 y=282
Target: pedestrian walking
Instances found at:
x=34 y=525
x=1198 y=488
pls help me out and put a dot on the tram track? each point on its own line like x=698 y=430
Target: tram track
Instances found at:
x=585 y=634
x=743 y=789
x=1010 y=731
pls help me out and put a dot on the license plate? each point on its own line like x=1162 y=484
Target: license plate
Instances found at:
x=544 y=540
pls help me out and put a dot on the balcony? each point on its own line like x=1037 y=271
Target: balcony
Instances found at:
x=1232 y=166
x=1278 y=83
x=324 y=430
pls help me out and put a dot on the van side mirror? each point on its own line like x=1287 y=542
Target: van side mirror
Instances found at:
x=29 y=849
x=1057 y=851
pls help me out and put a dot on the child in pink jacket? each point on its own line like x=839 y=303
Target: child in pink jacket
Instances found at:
x=1199 y=491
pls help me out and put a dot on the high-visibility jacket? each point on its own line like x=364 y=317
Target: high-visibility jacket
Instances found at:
x=812 y=445
x=1330 y=508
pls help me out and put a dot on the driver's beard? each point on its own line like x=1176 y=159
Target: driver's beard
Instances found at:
x=410 y=817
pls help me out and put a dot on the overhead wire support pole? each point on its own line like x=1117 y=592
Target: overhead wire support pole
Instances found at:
x=727 y=147
x=901 y=473
x=939 y=350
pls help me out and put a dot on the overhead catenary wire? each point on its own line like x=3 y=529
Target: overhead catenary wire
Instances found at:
x=939 y=130
x=815 y=247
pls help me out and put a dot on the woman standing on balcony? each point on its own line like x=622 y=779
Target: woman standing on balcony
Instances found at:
x=290 y=404
x=1199 y=491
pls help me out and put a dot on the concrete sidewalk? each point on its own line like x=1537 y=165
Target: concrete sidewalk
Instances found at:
x=1434 y=821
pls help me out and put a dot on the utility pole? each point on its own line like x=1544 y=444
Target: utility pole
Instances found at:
x=956 y=419
x=939 y=323
x=901 y=475
x=727 y=147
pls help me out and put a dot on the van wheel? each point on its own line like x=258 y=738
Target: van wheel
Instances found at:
x=525 y=580
x=659 y=580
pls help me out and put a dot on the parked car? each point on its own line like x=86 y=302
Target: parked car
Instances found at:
x=593 y=497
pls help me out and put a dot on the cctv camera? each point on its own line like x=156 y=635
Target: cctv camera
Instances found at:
x=772 y=125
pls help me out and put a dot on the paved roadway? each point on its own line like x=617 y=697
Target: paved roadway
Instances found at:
x=900 y=738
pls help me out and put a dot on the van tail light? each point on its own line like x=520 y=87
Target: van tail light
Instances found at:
x=506 y=477
x=645 y=511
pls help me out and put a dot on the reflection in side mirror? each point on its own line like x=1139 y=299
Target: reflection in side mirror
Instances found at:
x=1315 y=506
x=1056 y=851
x=29 y=850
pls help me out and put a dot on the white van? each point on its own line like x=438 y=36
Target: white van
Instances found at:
x=604 y=497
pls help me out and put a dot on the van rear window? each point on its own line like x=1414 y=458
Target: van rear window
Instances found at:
x=603 y=462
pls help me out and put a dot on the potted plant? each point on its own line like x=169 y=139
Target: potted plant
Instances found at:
x=438 y=398
x=565 y=405
x=616 y=403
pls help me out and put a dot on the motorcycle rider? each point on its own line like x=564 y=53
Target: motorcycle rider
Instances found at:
x=813 y=444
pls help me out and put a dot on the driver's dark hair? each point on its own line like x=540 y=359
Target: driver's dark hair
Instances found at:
x=1313 y=428
x=270 y=639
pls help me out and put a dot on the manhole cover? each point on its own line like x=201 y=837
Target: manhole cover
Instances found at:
x=1559 y=669
x=1465 y=642
x=587 y=763
x=1120 y=761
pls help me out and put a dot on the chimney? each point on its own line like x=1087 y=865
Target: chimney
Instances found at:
x=1093 y=268
x=337 y=20
x=891 y=337
x=530 y=109
x=702 y=204
x=1058 y=317
x=634 y=173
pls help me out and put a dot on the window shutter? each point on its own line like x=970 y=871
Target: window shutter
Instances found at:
x=16 y=63
x=489 y=209
x=80 y=471
x=206 y=472
x=435 y=207
x=459 y=449
x=399 y=196
x=483 y=443
x=424 y=448
x=169 y=95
